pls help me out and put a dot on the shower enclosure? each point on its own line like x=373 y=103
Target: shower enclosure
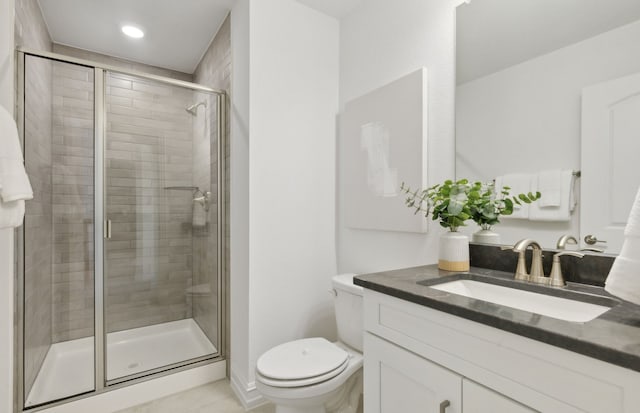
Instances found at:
x=120 y=257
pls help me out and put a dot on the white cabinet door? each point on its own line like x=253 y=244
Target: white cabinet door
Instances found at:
x=610 y=148
x=479 y=399
x=397 y=380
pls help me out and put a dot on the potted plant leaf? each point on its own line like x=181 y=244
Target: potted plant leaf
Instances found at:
x=449 y=204
x=487 y=205
x=452 y=203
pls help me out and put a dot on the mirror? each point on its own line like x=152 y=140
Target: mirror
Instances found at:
x=523 y=68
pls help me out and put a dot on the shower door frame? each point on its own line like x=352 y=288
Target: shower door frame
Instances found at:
x=102 y=232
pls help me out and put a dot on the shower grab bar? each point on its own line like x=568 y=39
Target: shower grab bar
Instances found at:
x=182 y=188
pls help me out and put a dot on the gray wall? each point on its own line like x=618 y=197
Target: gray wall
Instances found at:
x=149 y=147
x=214 y=70
x=30 y=31
x=148 y=265
x=73 y=151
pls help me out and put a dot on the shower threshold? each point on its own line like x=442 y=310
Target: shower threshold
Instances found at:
x=67 y=369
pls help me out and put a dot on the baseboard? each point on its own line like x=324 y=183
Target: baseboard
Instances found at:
x=246 y=392
x=125 y=397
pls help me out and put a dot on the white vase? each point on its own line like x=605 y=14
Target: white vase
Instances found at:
x=453 y=252
x=486 y=236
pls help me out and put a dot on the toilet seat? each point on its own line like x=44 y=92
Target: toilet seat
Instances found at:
x=302 y=363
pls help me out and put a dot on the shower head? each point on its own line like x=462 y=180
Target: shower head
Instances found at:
x=193 y=109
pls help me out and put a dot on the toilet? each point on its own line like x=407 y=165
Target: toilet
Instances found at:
x=314 y=375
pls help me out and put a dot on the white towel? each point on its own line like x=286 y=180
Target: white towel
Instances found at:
x=14 y=183
x=199 y=215
x=558 y=200
x=633 y=222
x=624 y=278
x=550 y=182
x=519 y=184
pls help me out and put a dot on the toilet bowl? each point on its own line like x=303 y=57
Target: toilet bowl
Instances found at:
x=314 y=375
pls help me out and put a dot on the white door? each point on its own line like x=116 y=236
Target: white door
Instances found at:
x=479 y=399
x=610 y=159
x=397 y=380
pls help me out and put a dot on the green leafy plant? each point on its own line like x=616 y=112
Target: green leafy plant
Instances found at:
x=447 y=202
x=487 y=205
x=455 y=202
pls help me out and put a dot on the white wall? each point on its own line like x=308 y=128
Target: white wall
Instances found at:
x=526 y=118
x=6 y=235
x=239 y=198
x=279 y=283
x=381 y=41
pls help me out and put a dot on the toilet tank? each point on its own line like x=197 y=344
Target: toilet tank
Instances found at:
x=348 y=307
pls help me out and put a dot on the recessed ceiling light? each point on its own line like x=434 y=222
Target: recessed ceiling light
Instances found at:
x=132 y=31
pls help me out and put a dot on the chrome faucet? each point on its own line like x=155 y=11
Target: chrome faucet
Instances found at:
x=536 y=274
x=564 y=240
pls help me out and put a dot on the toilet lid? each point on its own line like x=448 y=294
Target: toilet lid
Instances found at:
x=309 y=358
x=303 y=382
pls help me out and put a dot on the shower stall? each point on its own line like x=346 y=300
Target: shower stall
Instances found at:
x=120 y=258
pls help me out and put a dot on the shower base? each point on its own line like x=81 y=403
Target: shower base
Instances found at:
x=67 y=369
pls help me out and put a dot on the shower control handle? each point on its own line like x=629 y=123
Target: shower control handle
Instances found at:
x=107 y=229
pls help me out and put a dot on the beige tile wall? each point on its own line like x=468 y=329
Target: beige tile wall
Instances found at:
x=121 y=63
x=149 y=257
x=214 y=71
x=30 y=31
x=73 y=199
x=38 y=216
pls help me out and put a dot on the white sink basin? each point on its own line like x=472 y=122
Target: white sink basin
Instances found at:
x=550 y=306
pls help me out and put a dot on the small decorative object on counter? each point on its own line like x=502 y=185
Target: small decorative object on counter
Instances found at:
x=487 y=205
x=455 y=202
x=448 y=203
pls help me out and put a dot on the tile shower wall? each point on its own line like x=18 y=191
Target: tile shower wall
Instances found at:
x=150 y=139
x=30 y=31
x=214 y=70
x=73 y=199
x=149 y=257
x=38 y=217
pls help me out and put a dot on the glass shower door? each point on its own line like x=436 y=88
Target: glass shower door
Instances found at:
x=160 y=286
x=58 y=236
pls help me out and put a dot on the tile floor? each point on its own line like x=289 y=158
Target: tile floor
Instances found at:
x=216 y=397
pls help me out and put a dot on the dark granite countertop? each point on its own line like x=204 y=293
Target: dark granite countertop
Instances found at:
x=613 y=337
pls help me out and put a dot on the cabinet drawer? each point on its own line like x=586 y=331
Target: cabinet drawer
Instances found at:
x=479 y=399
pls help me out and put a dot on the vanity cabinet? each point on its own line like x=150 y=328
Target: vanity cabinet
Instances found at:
x=406 y=382
x=417 y=357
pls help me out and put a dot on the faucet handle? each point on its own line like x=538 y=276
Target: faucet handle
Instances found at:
x=564 y=240
x=555 y=278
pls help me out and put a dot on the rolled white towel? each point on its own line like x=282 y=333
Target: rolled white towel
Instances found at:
x=633 y=223
x=624 y=279
x=199 y=215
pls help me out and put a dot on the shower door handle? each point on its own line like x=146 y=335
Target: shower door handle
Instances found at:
x=107 y=229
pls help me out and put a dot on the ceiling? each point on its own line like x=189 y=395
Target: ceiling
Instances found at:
x=496 y=34
x=335 y=8
x=177 y=32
